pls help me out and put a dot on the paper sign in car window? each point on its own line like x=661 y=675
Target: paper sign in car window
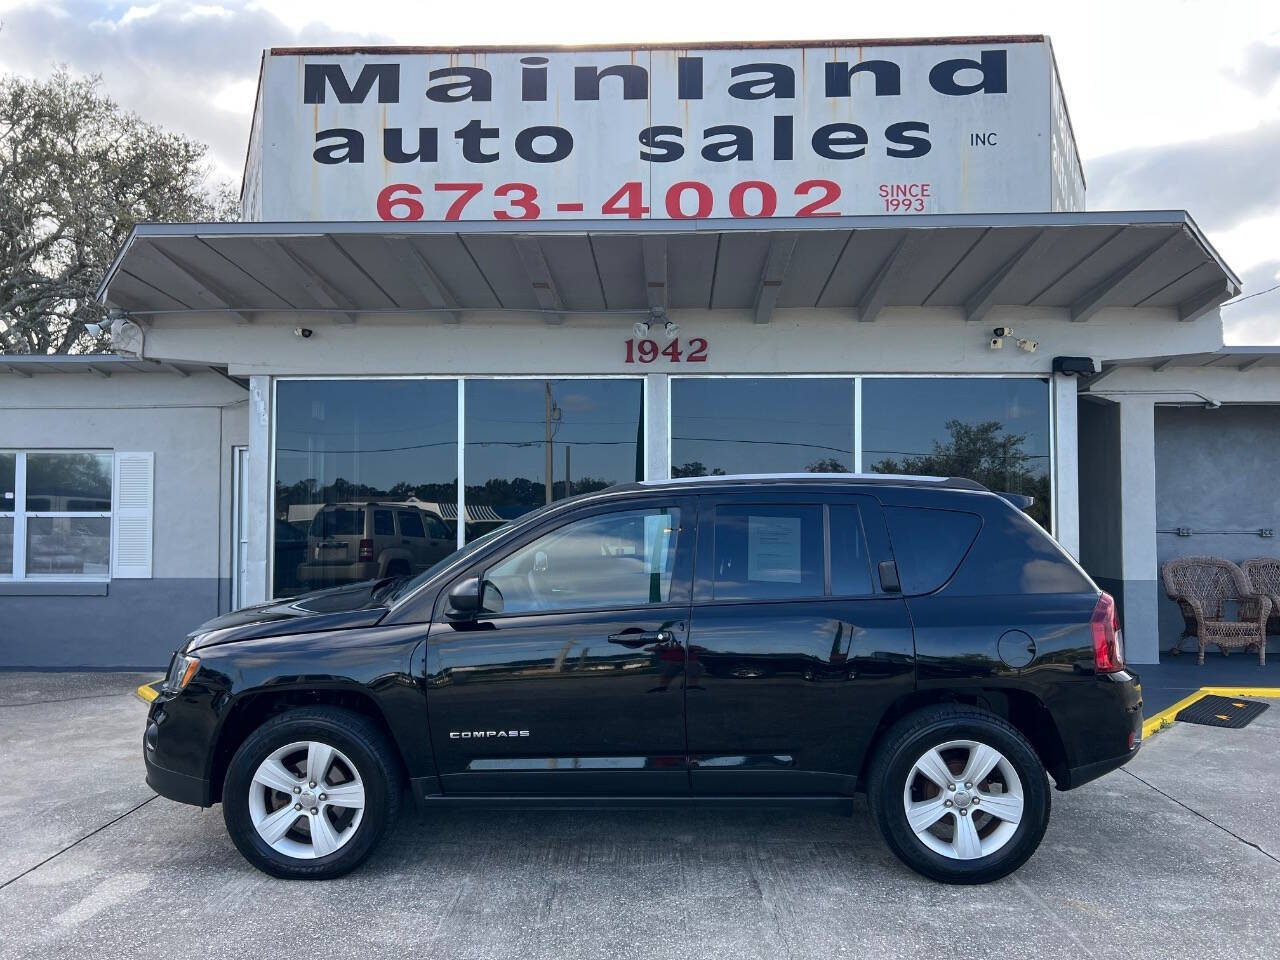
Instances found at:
x=773 y=549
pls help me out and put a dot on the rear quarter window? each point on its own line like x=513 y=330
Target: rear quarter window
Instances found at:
x=929 y=544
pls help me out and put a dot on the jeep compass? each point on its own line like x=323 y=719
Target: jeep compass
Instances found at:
x=777 y=639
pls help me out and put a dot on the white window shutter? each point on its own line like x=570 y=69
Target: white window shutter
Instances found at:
x=131 y=521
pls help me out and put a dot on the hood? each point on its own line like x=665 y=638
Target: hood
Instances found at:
x=351 y=605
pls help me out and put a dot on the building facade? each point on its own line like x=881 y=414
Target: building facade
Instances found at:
x=388 y=380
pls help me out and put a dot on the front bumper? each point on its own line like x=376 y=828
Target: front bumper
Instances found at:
x=159 y=755
x=177 y=786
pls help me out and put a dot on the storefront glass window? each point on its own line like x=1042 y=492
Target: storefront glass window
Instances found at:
x=993 y=430
x=592 y=430
x=761 y=425
x=344 y=448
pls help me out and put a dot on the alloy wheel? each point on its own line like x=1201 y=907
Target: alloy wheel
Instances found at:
x=306 y=800
x=963 y=799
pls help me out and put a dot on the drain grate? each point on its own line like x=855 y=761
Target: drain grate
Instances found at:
x=1213 y=711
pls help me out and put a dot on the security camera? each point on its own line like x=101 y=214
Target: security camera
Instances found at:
x=1028 y=345
x=1002 y=332
x=303 y=332
x=997 y=343
x=671 y=330
x=640 y=329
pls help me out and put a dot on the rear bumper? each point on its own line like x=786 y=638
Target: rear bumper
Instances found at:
x=1123 y=734
x=329 y=573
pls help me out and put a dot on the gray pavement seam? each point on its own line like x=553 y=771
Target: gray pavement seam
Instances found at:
x=74 y=843
x=1248 y=843
x=88 y=696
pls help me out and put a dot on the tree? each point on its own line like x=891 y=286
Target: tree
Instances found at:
x=827 y=465
x=76 y=173
x=982 y=452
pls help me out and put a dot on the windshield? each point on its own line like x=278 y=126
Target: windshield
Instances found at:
x=408 y=586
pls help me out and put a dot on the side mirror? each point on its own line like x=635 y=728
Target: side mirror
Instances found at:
x=472 y=597
x=464 y=599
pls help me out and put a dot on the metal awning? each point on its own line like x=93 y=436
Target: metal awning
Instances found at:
x=1239 y=358
x=104 y=365
x=1079 y=262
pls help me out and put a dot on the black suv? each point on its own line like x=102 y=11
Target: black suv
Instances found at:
x=783 y=639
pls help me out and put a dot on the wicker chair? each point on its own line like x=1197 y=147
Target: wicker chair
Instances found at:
x=1201 y=586
x=1263 y=576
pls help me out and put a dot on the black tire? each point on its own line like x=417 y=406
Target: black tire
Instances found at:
x=906 y=742
x=353 y=735
x=398 y=568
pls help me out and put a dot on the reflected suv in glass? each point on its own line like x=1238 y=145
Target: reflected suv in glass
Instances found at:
x=348 y=542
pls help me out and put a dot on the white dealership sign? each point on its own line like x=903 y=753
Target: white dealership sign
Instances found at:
x=587 y=134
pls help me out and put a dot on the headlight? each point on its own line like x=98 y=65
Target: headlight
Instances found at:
x=181 y=670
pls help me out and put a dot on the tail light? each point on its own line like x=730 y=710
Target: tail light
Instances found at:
x=1108 y=642
x=366 y=550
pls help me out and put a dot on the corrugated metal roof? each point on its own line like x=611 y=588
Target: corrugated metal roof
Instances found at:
x=1079 y=262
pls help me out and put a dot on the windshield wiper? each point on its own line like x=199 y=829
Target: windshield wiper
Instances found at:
x=385 y=584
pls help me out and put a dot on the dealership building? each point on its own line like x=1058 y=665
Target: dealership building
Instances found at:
x=850 y=256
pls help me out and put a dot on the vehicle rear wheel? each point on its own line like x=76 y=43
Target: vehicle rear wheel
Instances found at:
x=310 y=793
x=959 y=794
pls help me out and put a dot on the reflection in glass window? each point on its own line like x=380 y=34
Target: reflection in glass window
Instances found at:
x=69 y=546
x=8 y=471
x=344 y=448
x=6 y=546
x=766 y=552
x=761 y=425
x=589 y=433
x=616 y=560
x=993 y=430
x=62 y=482
x=8 y=466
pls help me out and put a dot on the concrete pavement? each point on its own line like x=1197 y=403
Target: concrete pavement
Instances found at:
x=1184 y=862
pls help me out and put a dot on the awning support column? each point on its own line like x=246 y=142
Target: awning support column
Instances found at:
x=1139 y=568
x=258 y=506
x=1066 y=465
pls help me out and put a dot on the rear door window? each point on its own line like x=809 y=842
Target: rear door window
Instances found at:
x=338 y=522
x=850 y=562
x=411 y=524
x=929 y=544
x=383 y=524
x=768 y=552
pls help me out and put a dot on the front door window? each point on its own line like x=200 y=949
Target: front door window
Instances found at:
x=617 y=560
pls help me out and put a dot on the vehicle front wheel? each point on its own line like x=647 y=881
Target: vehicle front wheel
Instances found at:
x=310 y=793
x=959 y=794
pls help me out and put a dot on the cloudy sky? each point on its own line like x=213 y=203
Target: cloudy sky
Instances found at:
x=1174 y=104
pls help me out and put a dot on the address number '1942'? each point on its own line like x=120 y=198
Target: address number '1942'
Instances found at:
x=647 y=351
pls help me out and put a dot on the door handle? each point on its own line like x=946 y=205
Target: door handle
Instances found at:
x=635 y=637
